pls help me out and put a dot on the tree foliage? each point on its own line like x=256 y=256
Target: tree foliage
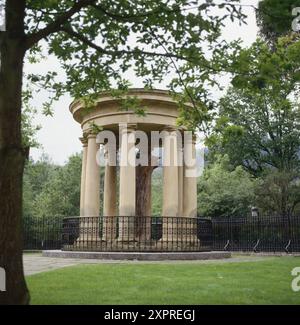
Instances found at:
x=29 y=129
x=259 y=119
x=51 y=190
x=274 y=18
x=279 y=192
x=258 y=124
x=223 y=191
x=96 y=42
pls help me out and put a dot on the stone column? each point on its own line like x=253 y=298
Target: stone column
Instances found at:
x=127 y=199
x=190 y=191
x=180 y=185
x=83 y=175
x=92 y=186
x=170 y=185
x=109 y=200
x=89 y=227
x=190 y=179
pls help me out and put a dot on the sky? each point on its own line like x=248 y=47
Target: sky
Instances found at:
x=59 y=135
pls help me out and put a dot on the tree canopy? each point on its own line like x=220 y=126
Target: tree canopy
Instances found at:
x=225 y=191
x=258 y=120
x=97 y=42
x=274 y=18
x=52 y=190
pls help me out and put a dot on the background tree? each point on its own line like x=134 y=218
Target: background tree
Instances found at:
x=50 y=192
x=157 y=190
x=60 y=195
x=225 y=191
x=274 y=18
x=95 y=42
x=279 y=193
x=36 y=175
x=259 y=120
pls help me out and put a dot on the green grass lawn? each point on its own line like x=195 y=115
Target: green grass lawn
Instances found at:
x=257 y=282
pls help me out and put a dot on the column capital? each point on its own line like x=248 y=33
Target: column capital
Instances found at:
x=130 y=127
x=84 y=141
x=170 y=128
x=91 y=136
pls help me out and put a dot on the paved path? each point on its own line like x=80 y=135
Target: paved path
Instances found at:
x=36 y=263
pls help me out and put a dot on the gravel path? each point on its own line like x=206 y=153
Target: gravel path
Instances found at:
x=36 y=263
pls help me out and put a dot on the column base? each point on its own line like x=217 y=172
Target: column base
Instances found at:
x=162 y=245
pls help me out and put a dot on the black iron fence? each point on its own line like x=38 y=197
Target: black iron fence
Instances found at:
x=136 y=233
x=156 y=233
x=258 y=234
x=42 y=233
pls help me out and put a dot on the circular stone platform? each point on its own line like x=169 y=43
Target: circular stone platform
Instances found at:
x=141 y=256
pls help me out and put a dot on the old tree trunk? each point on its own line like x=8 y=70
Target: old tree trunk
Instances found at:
x=12 y=154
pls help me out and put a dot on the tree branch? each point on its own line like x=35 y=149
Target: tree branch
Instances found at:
x=135 y=17
x=177 y=71
x=56 y=25
x=101 y=50
x=118 y=16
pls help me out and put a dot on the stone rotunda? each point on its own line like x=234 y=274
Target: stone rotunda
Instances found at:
x=126 y=216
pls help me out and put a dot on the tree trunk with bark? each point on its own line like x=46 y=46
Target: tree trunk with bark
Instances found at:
x=143 y=202
x=12 y=154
